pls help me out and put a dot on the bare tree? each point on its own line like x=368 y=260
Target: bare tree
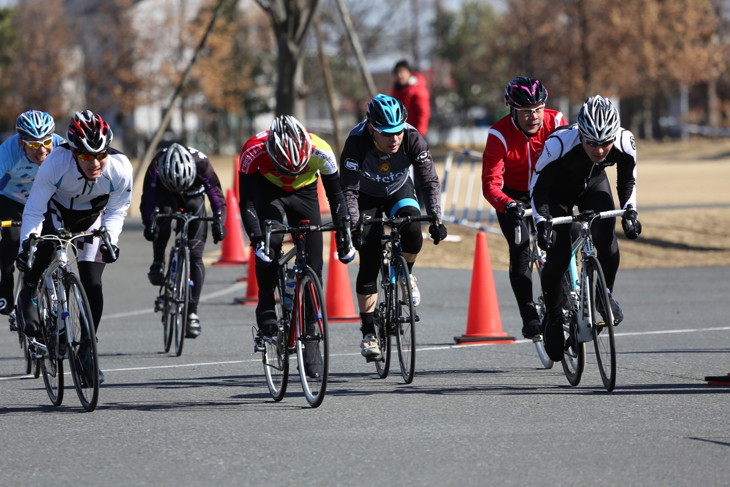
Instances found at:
x=291 y=20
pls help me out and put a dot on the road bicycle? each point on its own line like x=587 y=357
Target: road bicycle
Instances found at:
x=66 y=323
x=302 y=318
x=536 y=264
x=31 y=365
x=174 y=294
x=588 y=315
x=395 y=313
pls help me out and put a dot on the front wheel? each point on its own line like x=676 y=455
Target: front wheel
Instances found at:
x=310 y=321
x=83 y=357
x=382 y=322
x=275 y=352
x=51 y=367
x=574 y=354
x=602 y=324
x=405 y=320
x=180 y=296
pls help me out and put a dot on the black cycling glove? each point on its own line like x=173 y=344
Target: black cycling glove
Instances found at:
x=545 y=234
x=630 y=223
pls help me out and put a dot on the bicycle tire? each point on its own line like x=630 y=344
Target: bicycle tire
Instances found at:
x=275 y=355
x=166 y=300
x=602 y=324
x=383 y=321
x=51 y=368
x=574 y=354
x=181 y=296
x=310 y=323
x=405 y=320
x=82 y=351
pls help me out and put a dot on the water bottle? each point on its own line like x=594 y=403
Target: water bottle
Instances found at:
x=289 y=284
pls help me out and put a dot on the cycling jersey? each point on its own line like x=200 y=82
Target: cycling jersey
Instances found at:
x=509 y=157
x=206 y=182
x=368 y=170
x=60 y=186
x=255 y=159
x=564 y=172
x=18 y=172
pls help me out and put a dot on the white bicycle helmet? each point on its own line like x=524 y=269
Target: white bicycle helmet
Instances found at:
x=176 y=168
x=598 y=120
x=289 y=145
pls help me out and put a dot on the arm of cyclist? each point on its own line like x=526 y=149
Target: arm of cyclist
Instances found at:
x=340 y=217
x=212 y=185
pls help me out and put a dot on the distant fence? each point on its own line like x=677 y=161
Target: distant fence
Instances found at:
x=462 y=201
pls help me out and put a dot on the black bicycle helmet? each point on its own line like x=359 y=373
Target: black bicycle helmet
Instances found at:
x=176 y=168
x=523 y=91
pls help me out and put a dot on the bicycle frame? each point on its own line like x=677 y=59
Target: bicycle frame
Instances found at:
x=583 y=245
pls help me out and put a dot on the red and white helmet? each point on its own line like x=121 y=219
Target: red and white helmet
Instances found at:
x=89 y=133
x=289 y=144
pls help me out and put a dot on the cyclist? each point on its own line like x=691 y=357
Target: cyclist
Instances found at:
x=571 y=172
x=81 y=186
x=20 y=157
x=376 y=160
x=513 y=146
x=178 y=178
x=278 y=180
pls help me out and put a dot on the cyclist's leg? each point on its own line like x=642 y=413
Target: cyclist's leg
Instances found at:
x=156 y=274
x=197 y=236
x=367 y=274
x=90 y=274
x=404 y=203
x=9 y=243
x=303 y=204
x=558 y=259
x=28 y=314
x=520 y=274
x=268 y=207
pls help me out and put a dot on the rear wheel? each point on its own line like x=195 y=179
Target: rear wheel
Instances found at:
x=405 y=321
x=51 y=368
x=382 y=323
x=83 y=357
x=310 y=320
x=180 y=297
x=602 y=325
x=537 y=261
x=275 y=353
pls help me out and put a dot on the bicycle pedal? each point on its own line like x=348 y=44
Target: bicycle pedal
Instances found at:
x=258 y=345
x=537 y=338
x=376 y=358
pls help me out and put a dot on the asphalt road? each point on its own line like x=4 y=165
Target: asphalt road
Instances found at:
x=474 y=415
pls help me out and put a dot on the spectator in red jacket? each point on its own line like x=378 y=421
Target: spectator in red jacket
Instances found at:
x=410 y=88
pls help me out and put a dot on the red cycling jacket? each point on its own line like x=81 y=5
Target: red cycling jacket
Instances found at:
x=417 y=100
x=510 y=156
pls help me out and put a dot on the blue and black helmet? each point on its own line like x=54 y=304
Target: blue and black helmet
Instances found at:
x=35 y=125
x=386 y=114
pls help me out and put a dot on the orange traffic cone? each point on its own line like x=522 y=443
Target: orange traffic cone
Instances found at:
x=252 y=289
x=324 y=205
x=340 y=306
x=233 y=248
x=484 y=324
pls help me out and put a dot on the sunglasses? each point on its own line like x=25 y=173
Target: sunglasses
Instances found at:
x=90 y=157
x=37 y=144
x=530 y=111
x=600 y=144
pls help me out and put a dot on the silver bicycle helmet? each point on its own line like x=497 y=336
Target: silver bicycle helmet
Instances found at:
x=176 y=168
